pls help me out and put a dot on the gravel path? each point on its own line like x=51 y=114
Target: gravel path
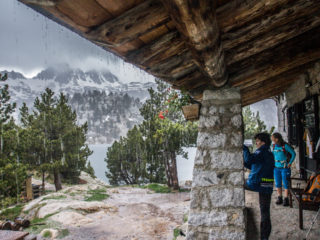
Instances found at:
x=285 y=223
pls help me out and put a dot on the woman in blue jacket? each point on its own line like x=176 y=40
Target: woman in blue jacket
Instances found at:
x=281 y=151
x=261 y=164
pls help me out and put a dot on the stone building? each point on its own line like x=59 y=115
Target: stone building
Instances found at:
x=226 y=54
x=298 y=115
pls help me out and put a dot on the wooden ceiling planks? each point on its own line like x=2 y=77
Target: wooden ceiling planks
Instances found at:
x=289 y=55
x=166 y=46
x=86 y=13
x=240 y=13
x=247 y=99
x=154 y=34
x=273 y=29
x=254 y=43
x=118 y=7
x=132 y=24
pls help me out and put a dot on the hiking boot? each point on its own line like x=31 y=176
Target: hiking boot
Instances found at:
x=279 y=201
x=286 y=202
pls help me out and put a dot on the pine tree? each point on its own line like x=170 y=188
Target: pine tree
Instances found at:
x=252 y=123
x=58 y=144
x=149 y=152
x=12 y=172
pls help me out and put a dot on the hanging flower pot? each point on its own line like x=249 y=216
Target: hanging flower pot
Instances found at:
x=191 y=112
x=178 y=101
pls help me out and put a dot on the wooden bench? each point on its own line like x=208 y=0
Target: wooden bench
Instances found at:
x=298 y=194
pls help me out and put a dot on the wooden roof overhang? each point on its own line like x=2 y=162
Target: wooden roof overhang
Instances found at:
x=260 y=46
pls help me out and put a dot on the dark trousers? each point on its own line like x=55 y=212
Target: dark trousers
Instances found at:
x=265 y=225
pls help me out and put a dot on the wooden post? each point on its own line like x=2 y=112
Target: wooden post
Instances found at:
x=29 y=188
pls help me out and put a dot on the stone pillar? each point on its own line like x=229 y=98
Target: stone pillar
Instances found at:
x=217 y=208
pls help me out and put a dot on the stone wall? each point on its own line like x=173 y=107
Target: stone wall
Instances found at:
x=307 y=84
x=217 y=209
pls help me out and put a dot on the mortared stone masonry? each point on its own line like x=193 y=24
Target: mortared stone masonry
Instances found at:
x=217 y=208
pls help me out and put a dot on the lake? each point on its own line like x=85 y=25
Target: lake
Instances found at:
x=185 y=166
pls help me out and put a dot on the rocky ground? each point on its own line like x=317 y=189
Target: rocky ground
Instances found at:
x=97 y=211
x=285 y=224
x=127 y=213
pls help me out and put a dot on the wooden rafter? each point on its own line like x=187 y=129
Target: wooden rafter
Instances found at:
x=258 y=45
x=132 y=24
x=271 y=30
x=272 y=62
x=196 y=21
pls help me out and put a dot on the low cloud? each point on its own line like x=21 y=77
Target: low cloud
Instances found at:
x=31 y=42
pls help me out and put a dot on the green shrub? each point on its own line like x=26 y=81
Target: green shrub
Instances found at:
x=47 y=234
x=55 y=197
x=157 y=188
x=11 y=213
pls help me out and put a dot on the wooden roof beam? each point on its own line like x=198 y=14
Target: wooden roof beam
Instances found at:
x=271 y=30
x=272 y=62
x=130 y=25
x=196 y=21
x=239 y=13
x=165 y=47
x=170 y=44
x=246 y=99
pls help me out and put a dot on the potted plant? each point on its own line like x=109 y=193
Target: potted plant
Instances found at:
x=183 y=101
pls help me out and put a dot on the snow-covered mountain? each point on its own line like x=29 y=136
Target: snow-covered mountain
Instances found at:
x=110 y=106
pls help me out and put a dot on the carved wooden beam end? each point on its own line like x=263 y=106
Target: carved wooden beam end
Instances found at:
x=196 y=21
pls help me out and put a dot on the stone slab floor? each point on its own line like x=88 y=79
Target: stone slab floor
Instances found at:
x=285 y=223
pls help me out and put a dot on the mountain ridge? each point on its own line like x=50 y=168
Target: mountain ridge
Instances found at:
x=95 y=95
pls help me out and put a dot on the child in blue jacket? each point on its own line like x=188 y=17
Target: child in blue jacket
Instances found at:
x=261 y=164
x=282 y=171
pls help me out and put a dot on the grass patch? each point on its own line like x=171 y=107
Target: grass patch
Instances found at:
x=157 y=188
x=63 y=233
x=176 y=233
x=74 y=193
x=49 y=191
x=47 y=234
x=34 y=207
x=96 y=195
x=42 y=220
x=185 y=217
x=54 y=197
x=184 y=190
x=11 y=213
x=38 y=224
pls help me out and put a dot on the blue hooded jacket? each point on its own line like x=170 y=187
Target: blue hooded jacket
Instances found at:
x=261 y=164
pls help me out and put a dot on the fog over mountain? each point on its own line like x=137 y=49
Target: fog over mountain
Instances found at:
x=110 y=106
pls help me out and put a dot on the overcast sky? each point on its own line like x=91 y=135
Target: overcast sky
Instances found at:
x=30 y=42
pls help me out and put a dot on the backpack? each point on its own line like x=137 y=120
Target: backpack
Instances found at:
x=313 y=186
x=284 y=151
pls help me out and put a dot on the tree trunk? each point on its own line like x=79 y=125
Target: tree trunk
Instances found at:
x=43 y=184
x=174 y=171
x=167 y=167
x=57 y=180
